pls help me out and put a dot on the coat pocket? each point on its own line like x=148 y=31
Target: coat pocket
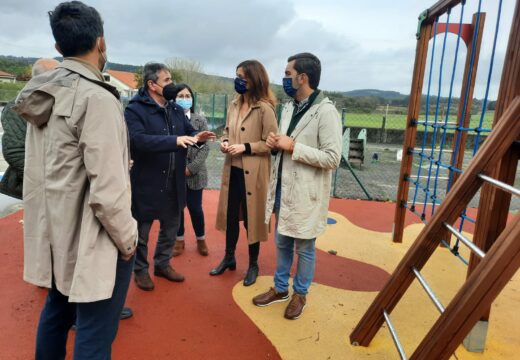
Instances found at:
x=308 y=179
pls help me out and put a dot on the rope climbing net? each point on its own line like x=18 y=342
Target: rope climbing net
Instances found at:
x=441 y=152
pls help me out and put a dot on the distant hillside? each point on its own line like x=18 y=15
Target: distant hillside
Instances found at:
x=17 y=59
x=17 y=65
x=122 y=67
x=390 y=95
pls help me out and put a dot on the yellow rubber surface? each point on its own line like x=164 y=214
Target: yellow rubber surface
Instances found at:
x=331 y=313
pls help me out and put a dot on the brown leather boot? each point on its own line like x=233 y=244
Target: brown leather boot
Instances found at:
x=143 y=281
x=202 y=248
x=169 y=273
x=295 y=307
x=178 y=248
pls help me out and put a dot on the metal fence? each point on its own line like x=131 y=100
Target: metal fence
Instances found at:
x=375 y=166
x=214 y=108
x=378 y=173
x=371 y=174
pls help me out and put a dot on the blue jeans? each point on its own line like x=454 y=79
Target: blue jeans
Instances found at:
x=97 y=322
x=285 y=245
x=305 y=248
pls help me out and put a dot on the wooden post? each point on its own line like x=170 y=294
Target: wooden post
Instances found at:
x=494 y=148
x=414 y=108
x=494 y=204
x=464 y=109
x=498 y=158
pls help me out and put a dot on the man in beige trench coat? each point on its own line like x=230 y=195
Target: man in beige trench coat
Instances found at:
x=79 y=234
x=309 y=148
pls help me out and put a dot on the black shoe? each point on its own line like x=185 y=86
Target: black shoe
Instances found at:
x=126 y=313
x=228 y=263
x=252 y=273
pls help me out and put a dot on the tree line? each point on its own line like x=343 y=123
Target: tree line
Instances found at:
x=192 y=72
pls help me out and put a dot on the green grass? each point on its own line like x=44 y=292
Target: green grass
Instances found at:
x=398 y=122
x=8 y=91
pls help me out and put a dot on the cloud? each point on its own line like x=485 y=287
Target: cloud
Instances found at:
x=361 y=44
x=209 y=32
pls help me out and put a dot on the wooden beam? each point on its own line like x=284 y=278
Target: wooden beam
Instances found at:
x=474 y=298
x=493 y=149
x=440 y=8
x=414 y=109
x=494 y=204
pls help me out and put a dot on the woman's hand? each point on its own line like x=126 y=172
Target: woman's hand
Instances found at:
x=224 y=146
x=236 y=149
x=272 y=141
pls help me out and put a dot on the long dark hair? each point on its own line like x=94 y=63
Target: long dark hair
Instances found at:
x=258 y=81
x=179 y=88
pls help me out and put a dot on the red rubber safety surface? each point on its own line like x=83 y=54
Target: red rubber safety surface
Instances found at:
x=197 y=319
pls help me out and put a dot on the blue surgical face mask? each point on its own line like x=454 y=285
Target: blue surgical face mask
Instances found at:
x=240 y=85
x=184 y=103
x=288 y=86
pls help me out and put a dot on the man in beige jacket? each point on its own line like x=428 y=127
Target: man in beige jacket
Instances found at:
x=79 y=234
x=308 y=149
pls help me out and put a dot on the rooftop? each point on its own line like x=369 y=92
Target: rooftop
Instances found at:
x=125 y=77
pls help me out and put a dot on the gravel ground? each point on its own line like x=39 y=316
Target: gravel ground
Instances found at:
x=378 y=177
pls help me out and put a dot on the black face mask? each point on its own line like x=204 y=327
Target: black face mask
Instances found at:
x=169 y=92
x=240 y=85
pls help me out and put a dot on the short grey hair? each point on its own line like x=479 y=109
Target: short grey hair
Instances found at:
x=151 y=72
x=43 y=65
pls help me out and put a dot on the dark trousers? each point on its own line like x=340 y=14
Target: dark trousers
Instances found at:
x=236 y=203
x=194 y=203
x=96 y=322
x=169 y=226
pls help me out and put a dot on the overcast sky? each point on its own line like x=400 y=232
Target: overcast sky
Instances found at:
x=362 y=44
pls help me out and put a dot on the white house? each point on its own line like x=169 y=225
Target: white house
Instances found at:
x=6 y=77
x=123 y=81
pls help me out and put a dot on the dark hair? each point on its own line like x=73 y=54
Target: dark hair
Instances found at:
x=75 y=27
x=307 y=63
x=179 y=88
x=151 y=72
x=258 y=81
